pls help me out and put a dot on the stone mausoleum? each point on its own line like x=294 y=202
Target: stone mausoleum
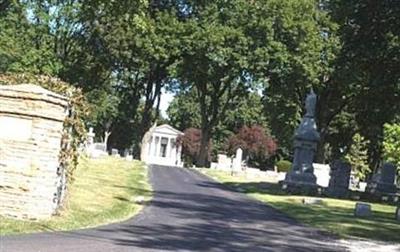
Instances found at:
x=31 y=128
x=159 y=146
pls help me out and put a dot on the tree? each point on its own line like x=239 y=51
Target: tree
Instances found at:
x=104 y=107
x=299 y=50
x=391 y=144
x=214 y=63
x=357 y=157
x=256 y=144
x=26 y=43
x=191 y=142
x=365 y=77
x=184 y=112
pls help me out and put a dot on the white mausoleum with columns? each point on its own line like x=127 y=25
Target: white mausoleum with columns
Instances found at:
x=159 y=146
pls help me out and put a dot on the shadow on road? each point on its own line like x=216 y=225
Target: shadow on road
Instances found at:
x=208 y=216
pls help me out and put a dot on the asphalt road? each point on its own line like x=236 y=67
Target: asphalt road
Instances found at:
x=189 y=212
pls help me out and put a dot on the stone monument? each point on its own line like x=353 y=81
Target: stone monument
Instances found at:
x=32 y=174
x=383 y=182
x=301 y=176
x=362 y=210
x=237 y=161
x=340 y=179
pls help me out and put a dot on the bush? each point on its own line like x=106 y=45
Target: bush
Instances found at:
x=283 y=165
x=257 y=145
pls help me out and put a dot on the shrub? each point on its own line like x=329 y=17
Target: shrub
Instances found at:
x=391 y=143
x=283 y=165
x=357 y=156
x=257 y=145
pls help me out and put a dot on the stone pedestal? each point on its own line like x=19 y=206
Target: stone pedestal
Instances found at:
x=301 y=178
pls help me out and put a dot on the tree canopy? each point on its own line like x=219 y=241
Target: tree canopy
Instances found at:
x=230 y=64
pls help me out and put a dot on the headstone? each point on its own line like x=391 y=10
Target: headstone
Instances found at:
x=384 y=182
x=114 y=152
x=397 y=213
x=90 y=136
x=322 y=172
x=362 y=186
x=98 y=150
x=312 y=201
x=237 y=161
x=100 y=147
x=340 y=177
x=362 y=210
x=224 y=162
x=301 y=178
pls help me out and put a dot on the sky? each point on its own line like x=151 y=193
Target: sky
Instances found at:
x=166 y=98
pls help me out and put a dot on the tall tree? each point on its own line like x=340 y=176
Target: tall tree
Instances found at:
x=214 y=62
x=299 y=49
x=369 y=64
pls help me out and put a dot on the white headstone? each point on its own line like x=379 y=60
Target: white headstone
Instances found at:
x=237 y=161
x=224 y=163
x=90 y=135
x=321 y=171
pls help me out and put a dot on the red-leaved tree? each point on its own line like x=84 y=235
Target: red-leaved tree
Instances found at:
x=257 y=145
x=190 y=142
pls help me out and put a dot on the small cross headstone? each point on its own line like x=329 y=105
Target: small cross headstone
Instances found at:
x=90 y=136
x=362 y=210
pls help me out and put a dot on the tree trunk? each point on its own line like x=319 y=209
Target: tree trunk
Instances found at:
x=202 y=160
x=320 y=154
x=106 y=136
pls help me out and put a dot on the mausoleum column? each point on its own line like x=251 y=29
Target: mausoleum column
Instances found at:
x=158 y=146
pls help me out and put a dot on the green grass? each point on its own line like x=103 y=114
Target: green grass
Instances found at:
x=333 y=215
x=103 y=192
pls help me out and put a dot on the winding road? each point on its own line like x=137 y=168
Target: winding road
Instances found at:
x=188 y=212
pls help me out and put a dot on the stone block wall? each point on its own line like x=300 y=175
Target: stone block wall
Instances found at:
x=31 y=129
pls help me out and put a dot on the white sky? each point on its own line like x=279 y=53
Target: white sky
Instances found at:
x=166 y=98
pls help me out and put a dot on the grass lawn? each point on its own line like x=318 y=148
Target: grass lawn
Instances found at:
x=333 y=215
x=103 y=192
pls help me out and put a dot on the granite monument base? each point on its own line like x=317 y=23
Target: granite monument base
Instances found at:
x=341 y=193
x=300 y=183
x=381 y=188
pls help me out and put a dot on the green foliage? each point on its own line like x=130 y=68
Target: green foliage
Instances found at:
x=357 y=156
x=184 y=112
x=391 y=144
x=215 y=55
x=26 y=48
x=283 y=165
